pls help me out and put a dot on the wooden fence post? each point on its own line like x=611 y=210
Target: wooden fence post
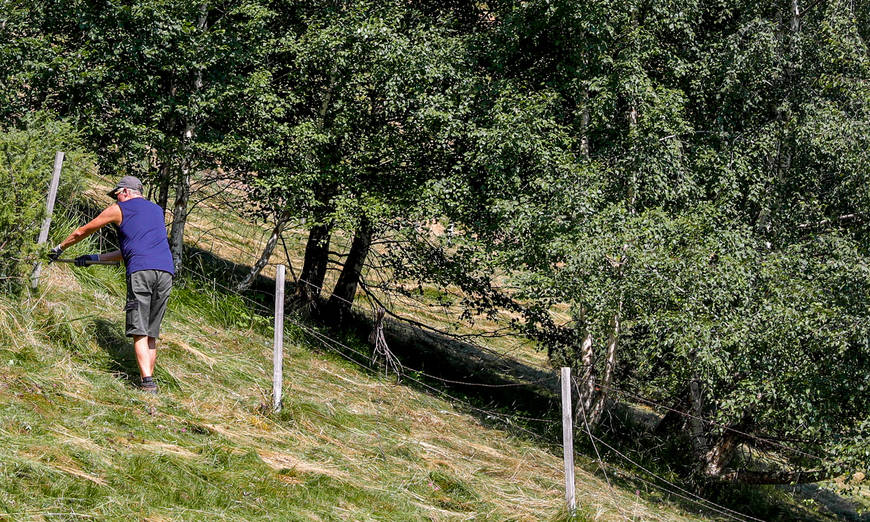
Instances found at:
x=278 y=351
x=49 y=209
x=568 y=439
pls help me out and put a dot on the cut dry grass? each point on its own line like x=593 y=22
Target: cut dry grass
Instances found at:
x=78 y=440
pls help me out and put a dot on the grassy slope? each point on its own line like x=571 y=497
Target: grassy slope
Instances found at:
x=77 y=439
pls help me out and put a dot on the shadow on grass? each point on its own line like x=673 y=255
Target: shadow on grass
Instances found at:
x=488 y=379
x=837 y=505
x=122 y=359
x=501 y=384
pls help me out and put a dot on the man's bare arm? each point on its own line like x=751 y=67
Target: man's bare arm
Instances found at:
x=111 y=215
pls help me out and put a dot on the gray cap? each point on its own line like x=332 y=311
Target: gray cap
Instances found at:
x=127 y=182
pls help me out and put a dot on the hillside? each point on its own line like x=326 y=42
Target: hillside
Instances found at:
x=79 y=441
x=673 y=200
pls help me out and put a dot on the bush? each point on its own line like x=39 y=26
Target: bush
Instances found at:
x=26 y=160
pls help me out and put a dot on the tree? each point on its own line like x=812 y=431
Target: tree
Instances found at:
x=373 y=95
x=160 y=88
x=26 y=155
x=702 y=236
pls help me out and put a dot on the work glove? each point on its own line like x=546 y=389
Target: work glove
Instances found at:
x=85 y=260
x=54 y=253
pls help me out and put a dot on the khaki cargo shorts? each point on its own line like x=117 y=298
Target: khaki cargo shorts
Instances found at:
x=147 y=294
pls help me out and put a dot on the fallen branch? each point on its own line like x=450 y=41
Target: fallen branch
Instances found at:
x=774 y=477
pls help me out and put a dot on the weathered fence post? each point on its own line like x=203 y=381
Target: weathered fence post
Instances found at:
x=278 y=351
x=49 y=209
x=568 y=439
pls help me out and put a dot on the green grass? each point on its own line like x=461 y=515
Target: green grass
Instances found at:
x=78 y=440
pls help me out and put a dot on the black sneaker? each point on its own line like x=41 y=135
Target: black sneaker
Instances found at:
x=148 y=387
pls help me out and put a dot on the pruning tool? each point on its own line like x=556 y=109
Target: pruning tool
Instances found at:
x=110 y=263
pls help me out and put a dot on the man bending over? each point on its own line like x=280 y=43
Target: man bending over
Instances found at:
x=145 y=251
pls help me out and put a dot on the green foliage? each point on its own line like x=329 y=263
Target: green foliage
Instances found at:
x=701 y=174
x=26 y=161
x=451 y=493
x=368 y=98
x=698 y=171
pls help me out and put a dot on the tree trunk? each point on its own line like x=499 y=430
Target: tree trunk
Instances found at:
x=345 y=289
x=598 y=407
x=721 y=453
x=587 y=382
x=314 y=265
x=165 y=179
x=699 y=437
x=182 y=189
x=592 y=395
x=179 y=217
x=795 y=17
x=283 y=217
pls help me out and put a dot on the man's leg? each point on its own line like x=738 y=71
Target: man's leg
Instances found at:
x=144 y=355
x=152 y=351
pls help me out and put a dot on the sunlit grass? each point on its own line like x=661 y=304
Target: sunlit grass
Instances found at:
x=80 y=440
x=77 y=439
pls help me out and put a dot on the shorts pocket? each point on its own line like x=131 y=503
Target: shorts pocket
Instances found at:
x=132 y=304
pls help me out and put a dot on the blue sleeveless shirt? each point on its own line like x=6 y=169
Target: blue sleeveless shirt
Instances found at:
x=143 y=237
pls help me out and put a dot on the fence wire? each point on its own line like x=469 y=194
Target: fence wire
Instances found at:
x=514 y=421
x=341 y=348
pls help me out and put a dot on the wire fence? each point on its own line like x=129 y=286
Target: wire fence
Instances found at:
x=341 y=349
x=514 y=421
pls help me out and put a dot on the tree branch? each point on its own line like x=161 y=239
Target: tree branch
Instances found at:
x=774 y=477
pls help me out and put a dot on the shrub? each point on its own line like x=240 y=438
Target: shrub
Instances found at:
x=26 y=160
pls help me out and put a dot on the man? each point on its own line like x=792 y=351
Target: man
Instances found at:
x=145 y=251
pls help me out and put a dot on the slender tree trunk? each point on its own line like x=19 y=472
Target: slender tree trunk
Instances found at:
x=587 y=382
x=182 y=189
x=282 y=220
x=795 y=17
x=314 y=265
x=164 y=180
x=699 y=438
x=179 y=217
x=599 y=406
x=345 y=289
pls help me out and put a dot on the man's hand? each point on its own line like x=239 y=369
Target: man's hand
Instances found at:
x=85 y=260
x=54 y=253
